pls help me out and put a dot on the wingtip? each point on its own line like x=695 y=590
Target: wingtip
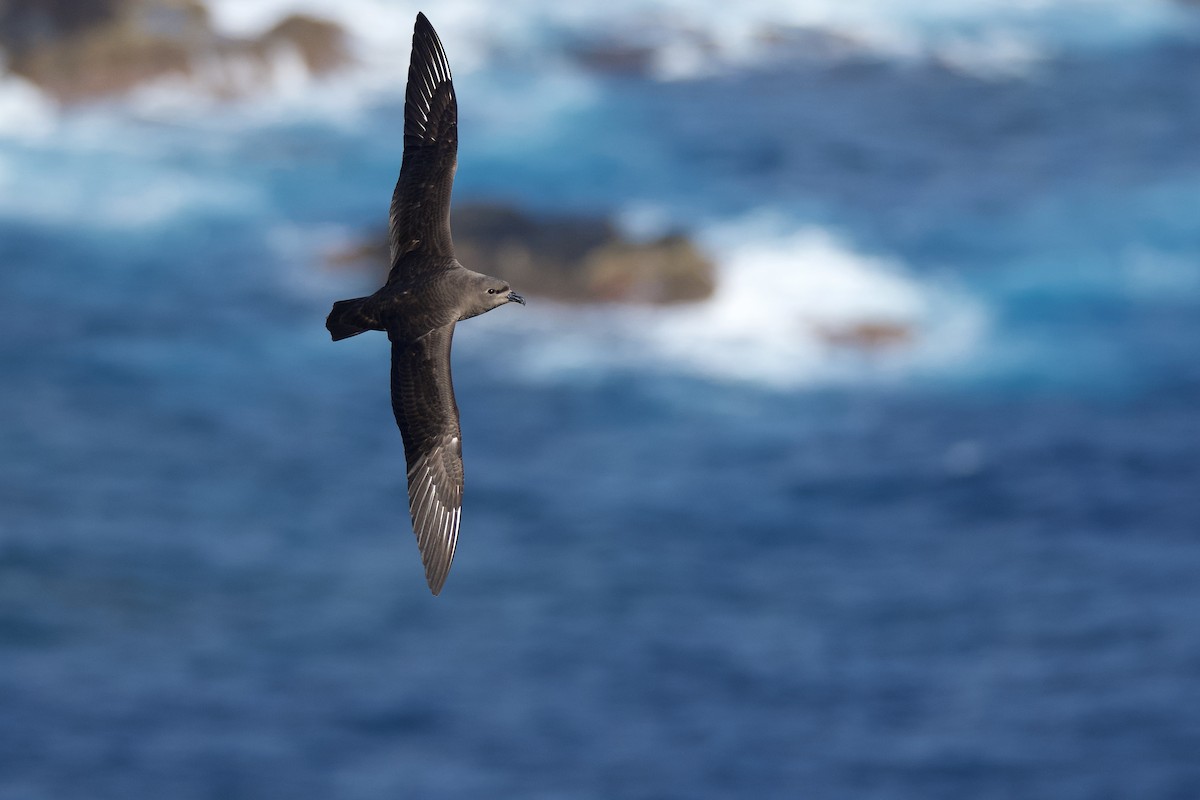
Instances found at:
x=427 y=43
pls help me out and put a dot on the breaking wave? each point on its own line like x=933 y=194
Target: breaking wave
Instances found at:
x=676 y=39
x=794 y=306
x=685 y=38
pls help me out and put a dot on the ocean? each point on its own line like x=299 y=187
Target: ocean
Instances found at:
x=707 y=551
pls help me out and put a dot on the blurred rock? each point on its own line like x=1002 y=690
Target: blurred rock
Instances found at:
x=569 y=259
x=321 y=43
x=669 y=270
x=867 y=335
x=83 y=49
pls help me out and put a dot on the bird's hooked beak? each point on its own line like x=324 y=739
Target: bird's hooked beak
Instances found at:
x=513 y=297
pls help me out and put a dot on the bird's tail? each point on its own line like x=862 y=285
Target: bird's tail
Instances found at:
x=349 y=318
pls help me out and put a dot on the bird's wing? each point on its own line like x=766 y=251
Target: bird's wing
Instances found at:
x=419 y=218
x=423 y=401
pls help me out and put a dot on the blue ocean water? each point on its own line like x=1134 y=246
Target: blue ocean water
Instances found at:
x=705 y=553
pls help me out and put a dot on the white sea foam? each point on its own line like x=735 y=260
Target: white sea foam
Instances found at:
x=793 y=306
x=25 y=113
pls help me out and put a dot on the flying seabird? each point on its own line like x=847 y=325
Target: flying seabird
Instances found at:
x=426 y=293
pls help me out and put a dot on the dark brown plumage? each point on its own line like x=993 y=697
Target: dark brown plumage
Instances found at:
x=426 y=293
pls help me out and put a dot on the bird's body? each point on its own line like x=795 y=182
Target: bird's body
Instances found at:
x=426 y=293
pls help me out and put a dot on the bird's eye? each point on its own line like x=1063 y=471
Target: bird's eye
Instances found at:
x=491 y=291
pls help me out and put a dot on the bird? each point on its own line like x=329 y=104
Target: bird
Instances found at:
x=426 y=294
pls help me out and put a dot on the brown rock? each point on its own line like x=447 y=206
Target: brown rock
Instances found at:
x=322 y=44
x=868 y=335
x=670 y=270
x=94 y=48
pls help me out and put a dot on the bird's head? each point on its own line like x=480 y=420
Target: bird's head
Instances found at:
x=497 y=293
x=485 y=293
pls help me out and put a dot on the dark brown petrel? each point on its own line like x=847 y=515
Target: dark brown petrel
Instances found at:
x=426 y=293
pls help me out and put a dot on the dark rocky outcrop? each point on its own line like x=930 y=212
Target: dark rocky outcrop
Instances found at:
x=84 y=49
x=570 y=259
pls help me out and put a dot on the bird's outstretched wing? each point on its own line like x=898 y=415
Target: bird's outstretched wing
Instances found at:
x=423 y=401
x=419 y=219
